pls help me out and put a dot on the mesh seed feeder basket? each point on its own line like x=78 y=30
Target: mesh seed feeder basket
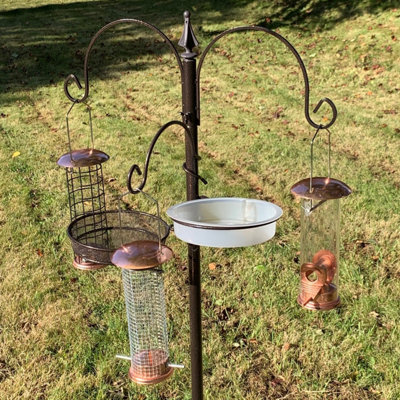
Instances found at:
x=85 y=183
x=320 y=237
x=140 y=261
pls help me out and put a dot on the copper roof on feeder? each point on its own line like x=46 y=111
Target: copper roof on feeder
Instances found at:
x=141 y=254
x=82 y=158
x=323 y=188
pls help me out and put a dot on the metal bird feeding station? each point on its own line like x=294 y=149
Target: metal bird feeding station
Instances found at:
x=251 y=221
x=320 y=237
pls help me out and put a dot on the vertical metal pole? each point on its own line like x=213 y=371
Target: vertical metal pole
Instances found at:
x=188 y=41
x=196 y=356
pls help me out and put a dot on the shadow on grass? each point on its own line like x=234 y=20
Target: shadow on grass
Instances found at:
x=42 y=45
x=321 y=14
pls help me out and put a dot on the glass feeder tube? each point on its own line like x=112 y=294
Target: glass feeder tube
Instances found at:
x=86 y=195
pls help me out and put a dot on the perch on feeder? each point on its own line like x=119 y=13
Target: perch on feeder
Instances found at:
x=140 y=262
x=86 y=194
x=320 y=237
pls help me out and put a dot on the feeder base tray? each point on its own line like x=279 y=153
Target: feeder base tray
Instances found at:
x=95 y=237
x=81 y=264
x=140 y=380
x=314 y=305
x=150 y=367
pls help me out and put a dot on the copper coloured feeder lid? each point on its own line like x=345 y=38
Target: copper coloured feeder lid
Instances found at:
x=82 y=158
x=322 y=188
x=141 y=254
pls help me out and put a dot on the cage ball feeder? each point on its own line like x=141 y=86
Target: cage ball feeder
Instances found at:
x=86 y=196
x=225 y=221
x=319 y=238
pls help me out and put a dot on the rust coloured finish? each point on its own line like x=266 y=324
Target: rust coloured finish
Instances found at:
x=328 y=260
x=323 y=188
x=80 y=263
x=149 y=367
x=82 y=158
x=321 y=293
x=141 y=254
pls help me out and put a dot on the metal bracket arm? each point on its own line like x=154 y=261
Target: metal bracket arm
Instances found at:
x=73 y=78
x=136 y=168
x=299 y=60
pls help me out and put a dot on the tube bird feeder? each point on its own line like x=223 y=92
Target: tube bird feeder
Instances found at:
x=145 y=309
x=140 y=261
x=319 y=238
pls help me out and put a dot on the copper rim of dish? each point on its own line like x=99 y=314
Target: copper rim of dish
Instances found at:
x=82 y=158
x=80 y=263
x=141 y=380
x=141 y=254
x=323 y=188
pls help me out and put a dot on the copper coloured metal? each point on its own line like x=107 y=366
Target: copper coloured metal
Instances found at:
x=326 y=259
x=82 y=158
x=147 y=325
x=320 y=188
x=149 y=367
x=328 y=299
x=323 y=188
x=141 y=254
x=321 y=293
x=83 y=265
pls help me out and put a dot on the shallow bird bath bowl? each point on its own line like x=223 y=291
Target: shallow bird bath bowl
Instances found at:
x=225 y=221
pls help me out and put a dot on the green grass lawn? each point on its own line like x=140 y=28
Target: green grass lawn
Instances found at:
x=61 y=328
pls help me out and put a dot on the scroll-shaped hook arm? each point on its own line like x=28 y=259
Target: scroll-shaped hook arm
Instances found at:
x=299 y=60
x=136 y=168
x=72 y=78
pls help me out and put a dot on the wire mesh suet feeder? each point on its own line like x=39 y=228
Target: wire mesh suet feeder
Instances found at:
x=140 y=262
x=320 y=237
x=85 y=184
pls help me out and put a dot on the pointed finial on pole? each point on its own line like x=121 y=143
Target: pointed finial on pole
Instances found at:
x=188 y=40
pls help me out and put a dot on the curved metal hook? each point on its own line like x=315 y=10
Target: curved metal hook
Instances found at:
x=73 y=78
x=136 y=168
x=299 y=60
